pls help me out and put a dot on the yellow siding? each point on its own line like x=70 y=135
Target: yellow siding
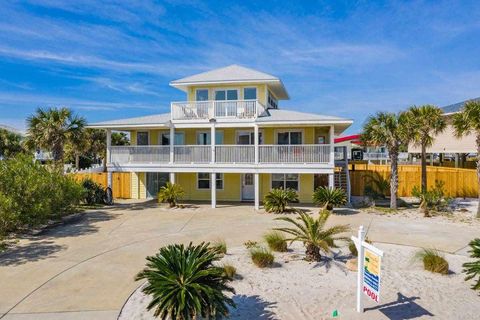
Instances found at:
x=231 y=189
x=142 y=185
x=133 y=137
x=305 y=192
x=134 y=185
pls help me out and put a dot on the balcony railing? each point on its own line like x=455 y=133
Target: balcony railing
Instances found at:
x=224 y=154
x=235 y=109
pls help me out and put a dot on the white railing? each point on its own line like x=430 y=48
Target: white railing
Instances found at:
x=235 y=154
x=192 y=154
x=313 y=153
x=223 y=154
x=139 y=154
x=234 y=109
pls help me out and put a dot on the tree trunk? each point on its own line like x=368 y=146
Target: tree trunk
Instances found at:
x=393 y=178
x=424 y=168
x=478 y=172
x=77 y=161
x=312 y=253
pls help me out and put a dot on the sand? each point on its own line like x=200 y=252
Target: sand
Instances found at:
x=296 y=289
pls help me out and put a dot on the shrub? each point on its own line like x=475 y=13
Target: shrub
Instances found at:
x=31 y=194
x=353 y=248
x=250 y=244
x=170 y=193
x=329 y=198
x=184 y=283
x=220 y=246
x=277 y=200
x=472 y=269
x=377 y=187
x=261 y=257
x=276 y=241
x=94 y=193
x=433 y=199
x=229 y=271
x=432 y=261
x=312 y=232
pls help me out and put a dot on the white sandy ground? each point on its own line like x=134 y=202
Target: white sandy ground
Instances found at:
x=296 y=289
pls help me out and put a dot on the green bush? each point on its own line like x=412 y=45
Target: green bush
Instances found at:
x=329 y=198
x=184 y=283
x=94 y=193
x=433 y=199
x=229 y=271
x=472 y=269
x=31 y=194
x=276 y=241
x=277 y=200
x=220 y=246
x=170 y=194
x=261 y=257
x=432 y=261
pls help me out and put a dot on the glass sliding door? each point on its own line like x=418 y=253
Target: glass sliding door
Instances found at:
x=225 y=102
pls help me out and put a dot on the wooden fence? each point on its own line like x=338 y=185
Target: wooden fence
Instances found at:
x=120 y=182
x=458 y=182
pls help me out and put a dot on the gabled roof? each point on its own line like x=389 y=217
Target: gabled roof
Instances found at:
x=456 y=107
x=233 y=74
x=155 y=120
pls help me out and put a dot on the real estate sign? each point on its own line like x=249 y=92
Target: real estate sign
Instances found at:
x=371 y=275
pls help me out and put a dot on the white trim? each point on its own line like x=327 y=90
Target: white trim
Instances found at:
x=277 y=131
x=246 y=81
x=239 y=131
x=242 y=176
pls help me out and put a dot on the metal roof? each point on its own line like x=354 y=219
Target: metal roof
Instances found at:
x=155 y=120
x=456 y=107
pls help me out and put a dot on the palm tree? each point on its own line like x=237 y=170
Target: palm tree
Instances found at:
x=10 y=143
x=311 y=231
x=425 y=122
x=390 y=130
x=184 y=283
x=51 y=129
x=170 y=193
x=468 y=121
x=329 y=198
x=472 y=269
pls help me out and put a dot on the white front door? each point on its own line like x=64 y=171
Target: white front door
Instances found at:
x=248 y=188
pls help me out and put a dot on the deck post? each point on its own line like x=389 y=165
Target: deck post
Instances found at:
x=172 y=177
x=257 y=190
x=332 y=145
x=331 y=180
x=109 y=179
x=256 y=142
x=108 y=159
x=172 y=143
x=212 y=141
x=213 y=188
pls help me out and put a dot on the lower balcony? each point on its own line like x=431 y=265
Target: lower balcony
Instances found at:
x=222 y=154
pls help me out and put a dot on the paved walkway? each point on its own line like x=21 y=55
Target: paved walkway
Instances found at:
x=84 y=269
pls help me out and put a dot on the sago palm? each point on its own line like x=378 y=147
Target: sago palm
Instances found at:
x=277 y=200
x=472 y=269
x=390 y=130
x=329 y=198
x=170 y=193
x=184 y=283
x=466 y=122
x=51 y=129
x=312 y=232
x=425 y=122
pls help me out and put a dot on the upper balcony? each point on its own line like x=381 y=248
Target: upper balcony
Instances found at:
x=243 y=110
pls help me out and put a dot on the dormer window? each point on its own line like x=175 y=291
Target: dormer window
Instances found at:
x=250 y=93
x=272 y=101
x=201 y=95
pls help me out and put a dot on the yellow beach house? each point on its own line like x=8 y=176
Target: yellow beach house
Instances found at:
x=229 y=141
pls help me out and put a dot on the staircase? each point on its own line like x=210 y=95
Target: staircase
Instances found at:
x=342 y=176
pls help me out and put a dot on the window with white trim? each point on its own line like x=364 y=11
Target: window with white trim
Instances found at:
x=142 y=138
x=289 y=137
x=285 y=181
x=250 y=93
x=201 y=94
x=203 y=180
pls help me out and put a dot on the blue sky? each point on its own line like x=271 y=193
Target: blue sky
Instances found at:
x=347 y=58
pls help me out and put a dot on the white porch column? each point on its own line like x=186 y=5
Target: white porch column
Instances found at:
x=332 y=145
x=109 y=179
x=212 y=141
x=172 y=143
x=456 y=160
x=172 y=177
x=213 y=188
x=109 y=145
x=257 y=190
x=256 y=143
x=331 y=180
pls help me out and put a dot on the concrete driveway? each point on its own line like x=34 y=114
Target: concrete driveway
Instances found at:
x=84 y=269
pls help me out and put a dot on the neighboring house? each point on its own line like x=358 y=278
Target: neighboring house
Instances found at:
x=229 y=141
x=447 y=143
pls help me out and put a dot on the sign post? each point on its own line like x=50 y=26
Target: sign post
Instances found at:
x=369 y=265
